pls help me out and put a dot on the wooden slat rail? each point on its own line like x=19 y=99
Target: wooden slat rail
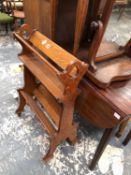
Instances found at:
x=58 y=74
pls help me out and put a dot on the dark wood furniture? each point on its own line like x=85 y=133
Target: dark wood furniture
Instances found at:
x=44 y=22
x=58 y=74
x=85 y=37
x=59 y=15
x=114 y=67
x=105 y=109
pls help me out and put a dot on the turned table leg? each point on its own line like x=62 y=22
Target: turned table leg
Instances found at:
x=101 y=147
x=127 y=139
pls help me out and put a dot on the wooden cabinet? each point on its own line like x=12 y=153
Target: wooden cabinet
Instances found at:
x=39 y=15
x=68 y=22
x=32 y=13
x=42 y=14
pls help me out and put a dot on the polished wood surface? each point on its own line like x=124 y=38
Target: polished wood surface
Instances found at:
x=105 y=108
x=32 y=13
x=111 y=71
x=49 y=22
x=107 y=51
x=117 y=63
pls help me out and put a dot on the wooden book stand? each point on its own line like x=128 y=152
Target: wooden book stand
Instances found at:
x=52 y=76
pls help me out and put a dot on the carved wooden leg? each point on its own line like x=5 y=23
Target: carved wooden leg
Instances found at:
x=55 y=140
x=22 y=103
x=127 y=139
x=122 y=128
x=29 y=85
x=73 y=135
x=67 y=127
x=101 y=147
x=67 y=130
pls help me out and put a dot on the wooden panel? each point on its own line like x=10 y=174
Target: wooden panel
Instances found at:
x=65 y=27
x=45 y=17
x=32 y=13
x=102 y=104
x=119 y=94
x=40 y=115
x=39 y=69
x=49 y=103
x=60 y=56
x=38 y=15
